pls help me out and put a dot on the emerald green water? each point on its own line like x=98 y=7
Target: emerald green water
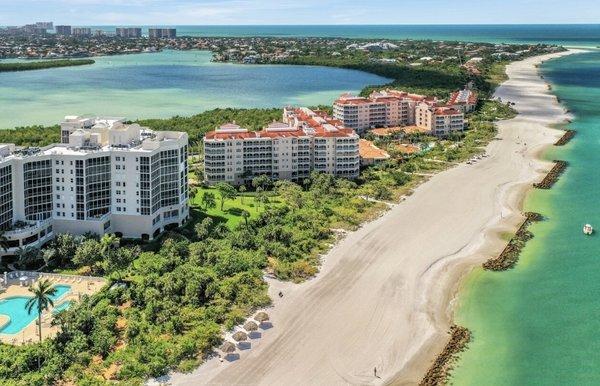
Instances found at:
x=540 y=322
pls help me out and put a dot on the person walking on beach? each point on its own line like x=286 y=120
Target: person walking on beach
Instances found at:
x=375 y=371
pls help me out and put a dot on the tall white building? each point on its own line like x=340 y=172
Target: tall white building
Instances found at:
x=386 y=108
x=105 y=177
x=306 y=140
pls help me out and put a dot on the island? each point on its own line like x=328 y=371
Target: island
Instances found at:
x=41 y=65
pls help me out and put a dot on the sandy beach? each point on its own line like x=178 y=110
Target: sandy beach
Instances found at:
x=384 y=297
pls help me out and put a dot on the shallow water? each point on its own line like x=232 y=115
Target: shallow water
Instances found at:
x=539 y=323
x=165 y=84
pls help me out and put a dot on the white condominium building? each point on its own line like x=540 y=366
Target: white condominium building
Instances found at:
x=306 y=140
x=384 y=108
x=440 y=121
x=105 y=177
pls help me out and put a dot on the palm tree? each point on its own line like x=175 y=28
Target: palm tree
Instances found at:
x=245 y=215
x=242 y=190
x=41 y=300
x=108 y=242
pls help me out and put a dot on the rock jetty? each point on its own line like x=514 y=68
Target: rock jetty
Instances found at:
x=567 y=136
x=552 y=176
x=510 y=255
x=440 y=369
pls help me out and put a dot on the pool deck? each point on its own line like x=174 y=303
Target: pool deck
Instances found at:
x=79 y=286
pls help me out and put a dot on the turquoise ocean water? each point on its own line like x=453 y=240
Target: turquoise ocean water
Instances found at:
x=574 y=34
x=539 y=323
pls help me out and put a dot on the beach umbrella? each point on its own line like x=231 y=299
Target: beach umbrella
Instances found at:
x=261 y=317
x=227 y=347
x=250 y=326
x=240 y=336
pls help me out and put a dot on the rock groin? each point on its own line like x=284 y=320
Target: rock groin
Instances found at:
x=510 y=255
x=440 y=369
x=552 y=176
x=567 y=136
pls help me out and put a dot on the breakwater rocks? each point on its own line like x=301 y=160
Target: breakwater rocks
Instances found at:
x=509 y=256
x=440 y=369
x=567 y=136
x=552 y=176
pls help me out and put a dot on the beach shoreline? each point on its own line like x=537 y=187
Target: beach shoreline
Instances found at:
x=512 y=202
x=385 y=295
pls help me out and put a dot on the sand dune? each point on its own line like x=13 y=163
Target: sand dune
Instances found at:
x=384 y=295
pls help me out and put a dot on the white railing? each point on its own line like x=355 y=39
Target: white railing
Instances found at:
x=17 y=275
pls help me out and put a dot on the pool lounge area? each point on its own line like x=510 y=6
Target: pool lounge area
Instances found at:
x=17 y=326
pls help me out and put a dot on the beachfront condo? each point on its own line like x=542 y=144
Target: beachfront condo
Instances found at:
x=303 y=142
x=394 y=108
x=439 y=121
x=104 y=177
x=386 y=108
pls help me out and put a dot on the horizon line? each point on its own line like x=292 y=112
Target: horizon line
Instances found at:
x=326 y=25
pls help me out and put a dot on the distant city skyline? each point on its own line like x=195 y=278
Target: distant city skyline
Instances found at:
x=307 y=12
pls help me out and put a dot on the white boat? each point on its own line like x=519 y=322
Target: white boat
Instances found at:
x=588 y=229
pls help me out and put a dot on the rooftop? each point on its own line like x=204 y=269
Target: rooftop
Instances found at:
x=415 y=130
x=297 y=122
x=407 y=148
x=384 y=96
x=89 y=135
x=446 y=111
x=368 y=150
x=463 y=97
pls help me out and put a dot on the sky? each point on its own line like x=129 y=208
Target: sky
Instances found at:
x=256 y=12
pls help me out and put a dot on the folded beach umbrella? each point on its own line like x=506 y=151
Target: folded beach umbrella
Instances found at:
x=250 y=326
x=227 y=347
x=261 y=317
x=240 y=336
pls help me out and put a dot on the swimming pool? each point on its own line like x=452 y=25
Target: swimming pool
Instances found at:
x=62 y=306
x=14 y=308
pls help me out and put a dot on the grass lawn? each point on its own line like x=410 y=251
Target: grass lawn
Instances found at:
x=232 y=209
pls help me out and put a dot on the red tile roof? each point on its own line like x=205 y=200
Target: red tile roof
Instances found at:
x=318 y=121
x=446 y=111
x=368 y=150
